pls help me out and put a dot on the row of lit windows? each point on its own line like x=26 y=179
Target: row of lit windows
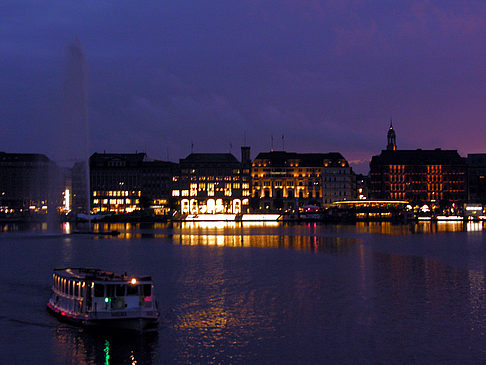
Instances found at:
x=117 y=193
x=115 y=201
x=68 y=287
x=210 y=192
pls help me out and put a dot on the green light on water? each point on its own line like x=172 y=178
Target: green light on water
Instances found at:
x=107 y=352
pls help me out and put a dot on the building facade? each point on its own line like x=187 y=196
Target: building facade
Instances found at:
x=285 y=181
x=29 y=183
x=213 y=183
x=127 y=183
x=419 y=176
x=476 y=178
x=157 y=181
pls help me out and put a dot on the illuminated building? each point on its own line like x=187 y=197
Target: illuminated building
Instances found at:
x=213 y=183
x=283 y=181
x=126 y=183
x=476 y=181
x=29 y=183
x=419 y=176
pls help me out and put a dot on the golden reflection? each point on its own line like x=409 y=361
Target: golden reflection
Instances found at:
x=389 y=228
x=474 y=226
x=305 y=243
x=79 y=346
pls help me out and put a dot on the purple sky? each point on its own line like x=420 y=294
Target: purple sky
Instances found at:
x=326 y=74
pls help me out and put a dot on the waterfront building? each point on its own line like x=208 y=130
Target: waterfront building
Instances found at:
x=157 y=183
x=29 y=183
x=476 y=180
x=284 y=181
x=213 y=183
x=419 y=176
x=126 y=183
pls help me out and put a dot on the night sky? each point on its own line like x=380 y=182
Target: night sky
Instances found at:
x=327 y=75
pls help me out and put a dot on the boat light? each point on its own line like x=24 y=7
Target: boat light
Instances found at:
x=107 y=300
x=133 y=281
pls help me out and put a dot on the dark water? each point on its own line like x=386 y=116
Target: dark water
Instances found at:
x=256 y=293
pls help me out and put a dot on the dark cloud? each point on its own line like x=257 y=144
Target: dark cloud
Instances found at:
x=325 y=74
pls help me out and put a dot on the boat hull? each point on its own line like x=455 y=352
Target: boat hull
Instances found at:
x=134 y=323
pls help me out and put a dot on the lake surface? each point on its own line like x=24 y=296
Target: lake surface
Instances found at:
x=259 y=293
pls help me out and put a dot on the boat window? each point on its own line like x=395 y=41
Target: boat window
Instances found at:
x=147 y=290
x=70 y=287
x=76 y=289
x=120 y=290
x=110 y=291
x=132 y=290
x=99 y=290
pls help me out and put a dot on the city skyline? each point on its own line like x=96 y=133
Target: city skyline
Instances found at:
x=328 y=76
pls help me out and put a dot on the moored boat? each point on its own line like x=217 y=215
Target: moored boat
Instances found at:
x=93 y=297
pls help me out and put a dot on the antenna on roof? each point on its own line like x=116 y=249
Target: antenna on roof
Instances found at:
x=192 y=146
x=283 y=142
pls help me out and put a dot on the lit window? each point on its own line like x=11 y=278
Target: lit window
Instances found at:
x=210 y=189
x=193 y=189
x=175 y=193
x=185 y=192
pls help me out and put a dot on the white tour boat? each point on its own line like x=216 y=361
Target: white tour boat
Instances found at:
x=92 y=297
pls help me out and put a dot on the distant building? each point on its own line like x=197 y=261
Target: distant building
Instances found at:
x=418 y=176
x=476 y=167
x=157 y=182
x=29 y=183
x=211 y=183
x=125 y=183
x=284 y=181
x=116 y=182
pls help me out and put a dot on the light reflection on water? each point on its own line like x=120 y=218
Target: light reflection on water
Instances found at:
x=79 y=346
x=250 y=293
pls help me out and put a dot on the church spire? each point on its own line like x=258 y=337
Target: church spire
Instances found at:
x=392 y=138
